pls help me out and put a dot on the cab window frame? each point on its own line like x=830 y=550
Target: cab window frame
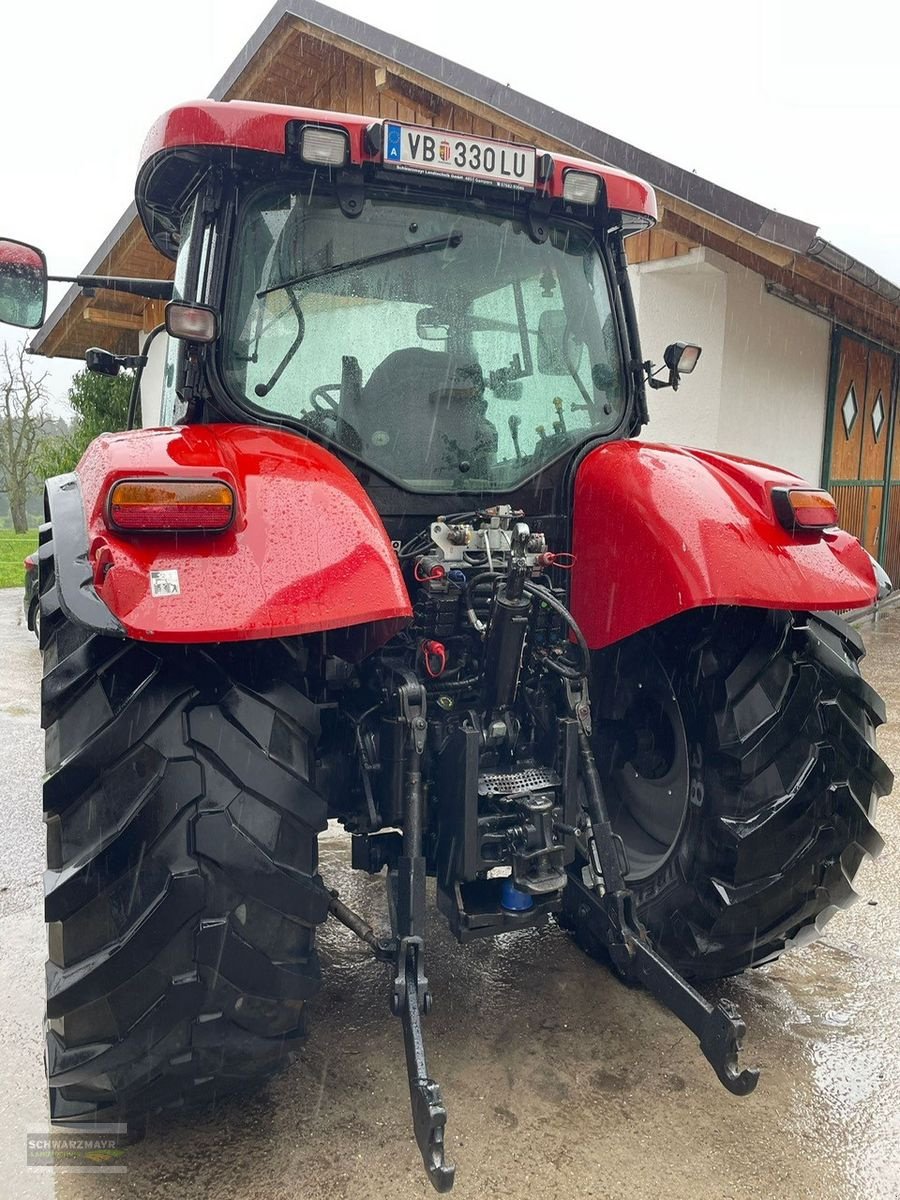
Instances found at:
x=440 y=195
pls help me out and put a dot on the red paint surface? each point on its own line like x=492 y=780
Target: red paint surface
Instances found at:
x=660 y=529
x=306 y=552
x=247 y=125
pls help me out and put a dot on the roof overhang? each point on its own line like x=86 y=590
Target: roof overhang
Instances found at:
x=300 y=46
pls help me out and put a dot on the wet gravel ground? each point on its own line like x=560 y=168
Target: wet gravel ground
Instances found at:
x=559 y=1081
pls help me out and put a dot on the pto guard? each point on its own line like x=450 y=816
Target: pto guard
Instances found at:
x=659 y=530
x=306 y=552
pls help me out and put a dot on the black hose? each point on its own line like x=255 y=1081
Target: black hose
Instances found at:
x=135 y=395
x=453 y=685
x=470 y=586
x=561 y=668
x=560 y=609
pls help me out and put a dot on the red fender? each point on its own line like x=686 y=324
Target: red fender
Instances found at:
x=660 y=529
x=306 y=552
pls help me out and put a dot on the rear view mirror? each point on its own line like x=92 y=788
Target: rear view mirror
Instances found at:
x=23 y=284
x=102 y=362
x=559 y=353
x=431 y=325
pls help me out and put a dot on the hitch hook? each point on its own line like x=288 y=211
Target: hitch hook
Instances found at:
x=719 y=1027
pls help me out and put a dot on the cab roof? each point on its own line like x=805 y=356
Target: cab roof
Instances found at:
x=183 y=141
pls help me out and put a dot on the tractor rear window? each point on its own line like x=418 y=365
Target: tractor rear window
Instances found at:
x=439 y=344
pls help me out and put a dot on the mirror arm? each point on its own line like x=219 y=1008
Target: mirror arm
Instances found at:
x=150 y=289
x=140 y=363
x=671 y=382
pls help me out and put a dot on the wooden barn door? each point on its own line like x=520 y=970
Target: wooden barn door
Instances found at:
x=891 y=541
x=862 y=425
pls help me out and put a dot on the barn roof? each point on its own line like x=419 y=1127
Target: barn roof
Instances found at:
x=305 y=52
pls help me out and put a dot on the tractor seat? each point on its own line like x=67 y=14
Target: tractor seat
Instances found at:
x=422 y=413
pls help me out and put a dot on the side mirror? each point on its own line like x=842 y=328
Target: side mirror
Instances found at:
x=102 y=362
x=680 y=358
x=431 y=325
x=23 y=284
x=559 y=353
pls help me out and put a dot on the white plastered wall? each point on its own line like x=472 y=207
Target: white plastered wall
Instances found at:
x=760 y=387
x=153 y=379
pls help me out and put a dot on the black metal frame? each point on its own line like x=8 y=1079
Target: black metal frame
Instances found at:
x=394 y=501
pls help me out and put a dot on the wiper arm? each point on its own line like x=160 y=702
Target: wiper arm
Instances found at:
x=451 y=240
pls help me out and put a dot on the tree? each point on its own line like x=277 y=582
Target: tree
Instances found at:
x=23 y=417
x=100 y=405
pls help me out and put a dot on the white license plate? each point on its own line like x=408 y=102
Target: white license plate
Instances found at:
x=422 y=149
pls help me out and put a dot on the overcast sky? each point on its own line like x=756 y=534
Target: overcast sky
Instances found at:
x=790 y=103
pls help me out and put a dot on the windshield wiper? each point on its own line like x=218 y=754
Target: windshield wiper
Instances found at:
x=446 y=240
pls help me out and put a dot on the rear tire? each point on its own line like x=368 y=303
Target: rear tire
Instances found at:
x=181 y=894
x=737 y=752
x=34 y=619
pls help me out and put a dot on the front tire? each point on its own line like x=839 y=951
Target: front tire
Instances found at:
x=182 y=892
x=738 y=755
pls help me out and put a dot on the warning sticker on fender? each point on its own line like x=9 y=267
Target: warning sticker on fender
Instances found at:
x=164 y=583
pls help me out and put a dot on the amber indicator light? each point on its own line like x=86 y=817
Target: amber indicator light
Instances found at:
x=802 y=509
x=171 y=504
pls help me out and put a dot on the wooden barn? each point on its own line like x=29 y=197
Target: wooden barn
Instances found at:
x=801 y=342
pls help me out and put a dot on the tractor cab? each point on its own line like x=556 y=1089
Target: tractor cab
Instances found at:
x=441 y=308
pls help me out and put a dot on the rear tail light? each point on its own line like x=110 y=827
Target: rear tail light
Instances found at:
x=170 y=505
x=804 y=509
x=30 y=562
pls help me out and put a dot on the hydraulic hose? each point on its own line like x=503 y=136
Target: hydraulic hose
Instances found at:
x=545 y=595
x=482 y=577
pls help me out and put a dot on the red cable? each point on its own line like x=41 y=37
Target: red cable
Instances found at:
x=436 y=650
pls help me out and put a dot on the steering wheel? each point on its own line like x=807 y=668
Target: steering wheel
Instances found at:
x=321 y=399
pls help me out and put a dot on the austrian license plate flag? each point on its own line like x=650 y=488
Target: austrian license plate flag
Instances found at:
x=414 y=148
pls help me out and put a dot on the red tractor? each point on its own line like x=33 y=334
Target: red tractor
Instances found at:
x=394 y=558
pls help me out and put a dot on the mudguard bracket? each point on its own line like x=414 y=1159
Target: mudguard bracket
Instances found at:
x=718 y=1027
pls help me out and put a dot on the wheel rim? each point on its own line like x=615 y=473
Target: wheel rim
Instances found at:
x=644 y=759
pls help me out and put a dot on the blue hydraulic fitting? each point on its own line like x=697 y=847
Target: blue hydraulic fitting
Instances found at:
x=512 y=899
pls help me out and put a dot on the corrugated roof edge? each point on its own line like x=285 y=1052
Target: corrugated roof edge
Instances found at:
x=790 y=232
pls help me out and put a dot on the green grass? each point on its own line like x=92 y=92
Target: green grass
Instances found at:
x=13 y=548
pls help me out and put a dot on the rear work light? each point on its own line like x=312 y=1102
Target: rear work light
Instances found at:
x=324 y=147
x=171 y=505
x=804 y=509
x=191 y=322
x=580 y=187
